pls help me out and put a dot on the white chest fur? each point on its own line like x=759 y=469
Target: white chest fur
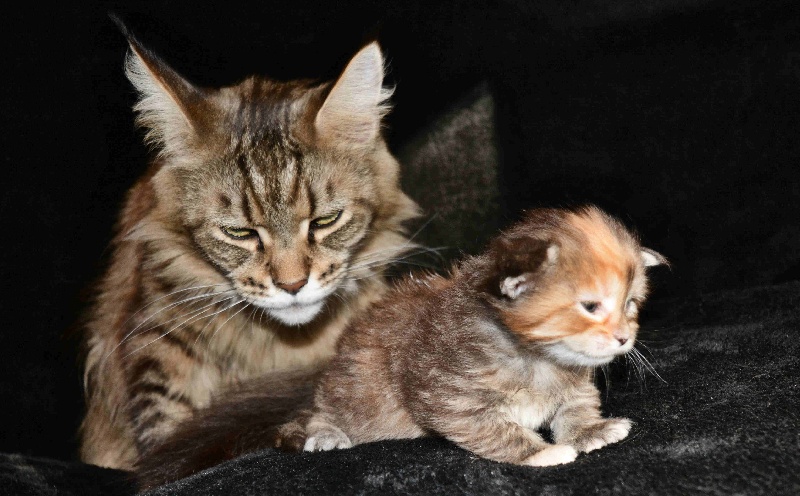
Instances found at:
x=534 y=404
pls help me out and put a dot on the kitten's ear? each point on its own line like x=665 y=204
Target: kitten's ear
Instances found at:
x=352 y=112
x=519 y=260
x=169 y=106
x=651 y=258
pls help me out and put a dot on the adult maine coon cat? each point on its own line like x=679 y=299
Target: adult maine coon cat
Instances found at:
x=260 y=229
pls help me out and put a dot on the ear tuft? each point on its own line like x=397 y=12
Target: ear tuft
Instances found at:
x=514 y=286
x=651 y=258
x=168 y=105
x=352 y=112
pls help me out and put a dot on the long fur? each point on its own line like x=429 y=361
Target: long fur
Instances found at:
x=241 y=420
x=187 y=309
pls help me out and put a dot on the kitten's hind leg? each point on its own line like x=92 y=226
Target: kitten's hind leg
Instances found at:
x=324 y=435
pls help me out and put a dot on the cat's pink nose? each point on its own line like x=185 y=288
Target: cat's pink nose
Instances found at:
x=292 y=287
x=622 y=341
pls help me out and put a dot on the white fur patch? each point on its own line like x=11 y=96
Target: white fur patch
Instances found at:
x=297 y=309
x=326 y=440
x=296 y=314
x=514 y=286
x=614 y=431
x=567 y=356
x=557 y=454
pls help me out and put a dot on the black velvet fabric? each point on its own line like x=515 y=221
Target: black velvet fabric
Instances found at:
x=679 y=116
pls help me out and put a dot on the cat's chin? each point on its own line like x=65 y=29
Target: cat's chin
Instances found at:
x=296 y=315
x=567 y=356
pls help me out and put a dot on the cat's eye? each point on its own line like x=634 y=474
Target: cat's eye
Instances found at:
x=326 y=221
x=590 y=306
x=239 y=233
x=631 y=305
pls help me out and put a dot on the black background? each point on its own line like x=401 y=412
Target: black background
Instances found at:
x=682 y=117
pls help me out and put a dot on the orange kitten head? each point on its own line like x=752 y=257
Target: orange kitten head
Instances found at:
x=572 y=282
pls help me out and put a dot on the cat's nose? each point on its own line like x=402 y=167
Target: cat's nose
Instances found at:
x=292 y=287
x=622 y=341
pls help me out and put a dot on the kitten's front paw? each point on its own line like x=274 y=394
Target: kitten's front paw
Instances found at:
x=557 y=454
x=610 y=431
x=326 y=439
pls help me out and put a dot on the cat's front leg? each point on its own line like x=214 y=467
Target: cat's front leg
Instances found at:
x=578 y=423
x=323 y=435
x=494 y=436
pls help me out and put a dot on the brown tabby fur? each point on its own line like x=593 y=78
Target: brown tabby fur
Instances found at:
x=484 y=357
x=185 y=310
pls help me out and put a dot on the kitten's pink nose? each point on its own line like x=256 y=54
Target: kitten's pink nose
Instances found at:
x=292 y=287
x=622 y=341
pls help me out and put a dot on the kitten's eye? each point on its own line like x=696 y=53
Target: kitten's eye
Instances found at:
x=326 y=221
x=631 y=305
x=590 y=306
x=239 y=233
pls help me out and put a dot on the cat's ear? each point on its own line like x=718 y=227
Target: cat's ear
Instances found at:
x=352 y=112
x=519 y=261
x=651 y=258
x=169 y=106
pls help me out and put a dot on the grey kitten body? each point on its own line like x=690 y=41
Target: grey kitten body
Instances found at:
x=505 y=346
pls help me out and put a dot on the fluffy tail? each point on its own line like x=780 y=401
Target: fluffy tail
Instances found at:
x=269 y=411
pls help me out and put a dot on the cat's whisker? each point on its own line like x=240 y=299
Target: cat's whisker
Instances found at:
x=178 y=317
x=210 y=321
x=380 y=256
x=228 y=319
x=133 y=333
x=193 y=288
x=173 y=305
x=174 y=328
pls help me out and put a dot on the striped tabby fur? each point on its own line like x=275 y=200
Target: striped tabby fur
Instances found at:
x=259 y=231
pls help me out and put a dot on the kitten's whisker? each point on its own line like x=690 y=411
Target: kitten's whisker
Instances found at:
x=604 y=370
x=648 y=366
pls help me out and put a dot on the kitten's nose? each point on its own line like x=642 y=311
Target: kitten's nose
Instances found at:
x=292 y=287
x=622 y=341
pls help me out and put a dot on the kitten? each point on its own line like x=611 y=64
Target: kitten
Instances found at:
x=259 y=231
x=506 y=344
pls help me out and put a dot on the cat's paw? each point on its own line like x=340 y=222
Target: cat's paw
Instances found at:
x=610 y=431
x=557 y=454
x=326 y=439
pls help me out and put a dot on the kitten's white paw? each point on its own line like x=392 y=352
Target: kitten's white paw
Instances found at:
x=326 y=440
x=615 y=429
x=557 y=454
